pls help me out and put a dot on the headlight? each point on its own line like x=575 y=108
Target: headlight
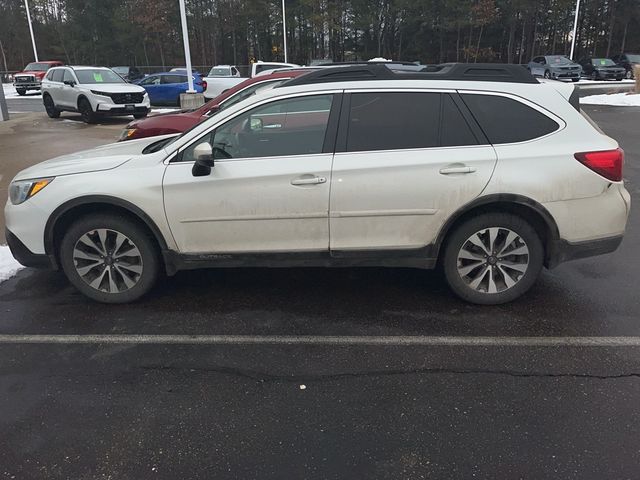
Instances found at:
x=97 y=92
x=23 y=190
x=127 y=133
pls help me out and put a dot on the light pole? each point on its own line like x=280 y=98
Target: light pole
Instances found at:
x=33 y=39
x=185 y=41
x=575 y=29
x=284 y=31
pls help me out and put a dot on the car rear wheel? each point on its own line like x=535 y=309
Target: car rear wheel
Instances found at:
x=50 y=107
x=493 y=258
x=109 y=258
x=88 y=115
x=21 y=91
x=629 y=75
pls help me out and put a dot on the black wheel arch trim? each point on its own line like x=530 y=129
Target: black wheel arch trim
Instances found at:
x=58 y=213
x=552 y=246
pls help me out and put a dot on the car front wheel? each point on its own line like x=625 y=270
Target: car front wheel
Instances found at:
x=84 y=107
x=109 y=258
x=493 y=258
x=547 y=74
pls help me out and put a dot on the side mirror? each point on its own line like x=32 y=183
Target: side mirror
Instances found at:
x=71 y=83
x=255 y=124
x=204 y=160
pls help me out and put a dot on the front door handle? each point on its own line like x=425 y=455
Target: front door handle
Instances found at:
x=309 y=181
x=454 y=170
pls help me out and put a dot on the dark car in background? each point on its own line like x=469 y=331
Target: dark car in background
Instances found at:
x=556 y=67
x=130 y=74
x=178 y=122
x=164 y=88
x=602 y=69
x=627 y=61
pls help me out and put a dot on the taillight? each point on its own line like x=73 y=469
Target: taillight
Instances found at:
x=607 y=163
x=203 y=84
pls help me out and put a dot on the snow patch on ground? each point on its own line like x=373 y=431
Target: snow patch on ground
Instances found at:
x=614 y=99
x=10 y=92
x=164 y=110
x=8 y=265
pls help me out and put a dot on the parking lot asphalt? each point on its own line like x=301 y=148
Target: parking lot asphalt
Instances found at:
x=310 y=373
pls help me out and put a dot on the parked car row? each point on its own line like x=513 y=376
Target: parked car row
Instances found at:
x=559 y=67
x=477 y=168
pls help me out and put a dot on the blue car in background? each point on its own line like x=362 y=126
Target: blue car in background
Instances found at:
x=165 y=88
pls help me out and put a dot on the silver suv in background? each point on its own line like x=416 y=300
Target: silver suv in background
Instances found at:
x=556 y=67
x=94 y=92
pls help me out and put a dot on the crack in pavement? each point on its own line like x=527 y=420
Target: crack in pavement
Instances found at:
x=264 y=376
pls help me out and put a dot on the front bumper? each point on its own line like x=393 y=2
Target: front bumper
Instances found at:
x=25 y=256
x=566 y=75
x=27 y=85
x=122 y=109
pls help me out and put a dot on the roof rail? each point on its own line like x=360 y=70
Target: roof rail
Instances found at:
x=484 y=72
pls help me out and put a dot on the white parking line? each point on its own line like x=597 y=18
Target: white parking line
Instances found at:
x=394 y=340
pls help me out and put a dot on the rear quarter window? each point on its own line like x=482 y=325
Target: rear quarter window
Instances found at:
x=505 y=120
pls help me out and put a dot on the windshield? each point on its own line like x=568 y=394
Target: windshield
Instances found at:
x=603 y=62
x=220 y=72
x=41 y=67
x=98 y=75
x=558 y=60
x=634 y=58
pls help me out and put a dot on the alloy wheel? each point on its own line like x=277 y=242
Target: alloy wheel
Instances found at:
x=493 y=260
x=107 y=260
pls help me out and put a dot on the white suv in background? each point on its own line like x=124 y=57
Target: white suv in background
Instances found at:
x=478 y=168
x=93 y=92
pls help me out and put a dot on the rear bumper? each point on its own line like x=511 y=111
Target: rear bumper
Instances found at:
x=25 y=256
x=563 y=251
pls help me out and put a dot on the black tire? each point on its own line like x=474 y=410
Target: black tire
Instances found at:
x=575 y=80
x=140 y=115
x=88 y=115
x=21 y=91
x=147 y=262
x=459 y=238
x=547 y=74
x=50 y=106
x=594 y=76
x=629 y=74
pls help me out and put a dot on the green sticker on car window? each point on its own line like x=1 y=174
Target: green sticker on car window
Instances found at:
x=603 y=62
x=97 y=77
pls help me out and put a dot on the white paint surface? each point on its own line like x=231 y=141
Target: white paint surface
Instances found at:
x=8 y=265
x=614 y=99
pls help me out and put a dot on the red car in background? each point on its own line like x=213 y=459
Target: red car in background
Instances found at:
x=180 y=121
x=31 y=77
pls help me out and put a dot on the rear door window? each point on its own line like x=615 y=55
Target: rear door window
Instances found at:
x=455 y=130
x=393 y=120
x=174 y=78
x=58 y=74
x=505 y=120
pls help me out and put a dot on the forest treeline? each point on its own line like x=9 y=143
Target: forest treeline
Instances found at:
x=147 y=32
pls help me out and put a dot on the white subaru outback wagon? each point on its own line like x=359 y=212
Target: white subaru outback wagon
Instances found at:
x=480 y=169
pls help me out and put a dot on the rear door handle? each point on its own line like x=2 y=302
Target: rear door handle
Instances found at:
x=453 y=170
x=309 y=181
